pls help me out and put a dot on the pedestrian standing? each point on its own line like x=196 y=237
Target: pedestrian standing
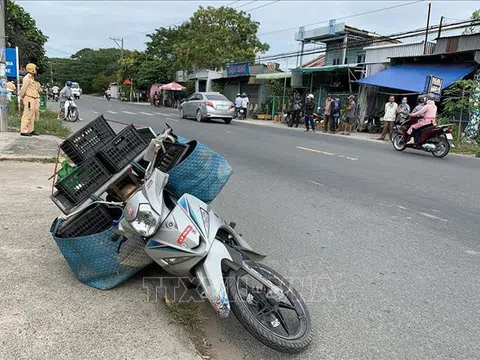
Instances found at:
x=328 y=113
x=350 y=118
x=29 y=94
x=335 y=110
x=391 y=108
x=308 y=111
x=403 y=110
x=297 y=108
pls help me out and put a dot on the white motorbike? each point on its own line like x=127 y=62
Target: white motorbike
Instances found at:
x=189 y=240
x=69 y=111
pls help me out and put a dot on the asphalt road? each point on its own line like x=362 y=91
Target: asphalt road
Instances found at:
x=384 y=246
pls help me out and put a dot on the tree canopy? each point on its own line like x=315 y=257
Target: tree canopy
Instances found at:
x=473 y=29
x=21 y=30
x=213 y=37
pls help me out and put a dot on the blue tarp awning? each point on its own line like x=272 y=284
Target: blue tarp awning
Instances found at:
x=413 y=77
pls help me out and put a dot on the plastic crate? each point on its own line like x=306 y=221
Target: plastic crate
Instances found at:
x=122 y=149
x=87 y=141
x=86 y=178
x=174 y=152
x=93 y=220
x=146 y=133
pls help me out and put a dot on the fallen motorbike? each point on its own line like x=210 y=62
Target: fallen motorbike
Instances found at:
x=187 y=239
x=108 y=96
x=69 y=111
x=436 y=140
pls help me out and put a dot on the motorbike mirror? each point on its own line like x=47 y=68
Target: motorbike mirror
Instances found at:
x=152 y=150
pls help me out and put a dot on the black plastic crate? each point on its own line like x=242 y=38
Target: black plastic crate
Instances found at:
x=87 y=141
x=146 y=133
x=174 y=152
x=86 y=178
x=92 y=220
x=122 y=149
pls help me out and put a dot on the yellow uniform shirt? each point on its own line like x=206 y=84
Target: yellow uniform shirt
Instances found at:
x=29 y=88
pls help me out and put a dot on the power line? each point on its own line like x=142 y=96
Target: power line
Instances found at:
x=343 y=18
x=248 y=3
x=261 y=6
x=371 y=42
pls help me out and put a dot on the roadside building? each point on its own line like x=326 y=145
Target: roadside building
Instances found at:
x=344 y=60
x=452 y=58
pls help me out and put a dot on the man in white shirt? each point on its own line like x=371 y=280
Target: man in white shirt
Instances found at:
x=238 y=103
x=388 y=119
x=245 y=102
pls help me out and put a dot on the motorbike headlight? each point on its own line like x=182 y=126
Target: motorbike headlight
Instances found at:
x=147 y=220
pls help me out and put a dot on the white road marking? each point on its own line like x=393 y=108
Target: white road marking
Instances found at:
x=95 y=112
x=351 y=158
x=128 y=112
x=112 y=112
x=80 y=119
x=472 y=252
x=402 y=207
x=432 y=216
x=315 y=182
x=316 y=151
x=168 y=115
x=229 y=132
x=145 y=113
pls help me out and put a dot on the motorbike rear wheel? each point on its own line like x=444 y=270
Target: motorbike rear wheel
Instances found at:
x=442 y=148
x=265 y=318
x=399 y=142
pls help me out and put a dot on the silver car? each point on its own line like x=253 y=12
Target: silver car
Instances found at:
x=208 y=105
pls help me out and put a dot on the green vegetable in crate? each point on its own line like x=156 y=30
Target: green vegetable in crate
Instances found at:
x=75 y=182
x=65 y=170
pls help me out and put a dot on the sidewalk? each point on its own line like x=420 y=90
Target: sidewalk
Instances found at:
x=46 y=312
x=269 y=123
x=13 y=146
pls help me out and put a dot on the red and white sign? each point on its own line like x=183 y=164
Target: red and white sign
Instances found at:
x=184 y=234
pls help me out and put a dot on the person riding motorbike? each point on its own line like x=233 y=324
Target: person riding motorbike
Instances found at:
x=238 y=103
x=429 y=114
x=65 y=94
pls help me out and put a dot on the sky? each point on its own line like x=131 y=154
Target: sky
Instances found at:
x=74 y=25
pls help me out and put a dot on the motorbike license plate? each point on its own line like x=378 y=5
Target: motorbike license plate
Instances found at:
x=449 y=137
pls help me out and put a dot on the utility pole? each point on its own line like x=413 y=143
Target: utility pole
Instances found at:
x=119 y=43
x=3 y=71
x=426 y=30
x=51 y=73
x=440 y=27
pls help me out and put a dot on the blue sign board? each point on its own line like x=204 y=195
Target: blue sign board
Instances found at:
x=11 y=62
x=238 y=69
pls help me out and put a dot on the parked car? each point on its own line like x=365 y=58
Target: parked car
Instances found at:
x=208 y=105
x=76 y=90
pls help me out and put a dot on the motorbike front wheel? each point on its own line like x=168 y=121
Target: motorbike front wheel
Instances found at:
x=73 y=115
x=283 y=325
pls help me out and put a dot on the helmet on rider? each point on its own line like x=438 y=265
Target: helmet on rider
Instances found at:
x=244 y=94
x=430 y=96
x=31 y=68
x=421 y=99
x=238 y=94
x=310 y=96
x=68 y=83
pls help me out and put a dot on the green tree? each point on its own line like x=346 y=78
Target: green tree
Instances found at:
x=213 y=37
x=456 y=101
x=92 y=69
x=21 y=30
x=473 y=29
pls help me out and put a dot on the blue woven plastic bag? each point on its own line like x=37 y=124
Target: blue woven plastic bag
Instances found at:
x=203 y=173
x=99 y=262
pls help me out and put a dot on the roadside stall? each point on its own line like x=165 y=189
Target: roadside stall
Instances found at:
x=172 y=94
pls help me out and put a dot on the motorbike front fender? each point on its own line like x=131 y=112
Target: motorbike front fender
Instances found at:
x=209 y=273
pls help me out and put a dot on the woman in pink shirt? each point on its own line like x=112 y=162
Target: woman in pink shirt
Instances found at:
x=429 y=114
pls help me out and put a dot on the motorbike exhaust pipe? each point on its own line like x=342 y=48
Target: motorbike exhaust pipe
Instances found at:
x=429 y=147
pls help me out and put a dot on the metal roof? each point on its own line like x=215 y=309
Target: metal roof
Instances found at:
x=273 y=76
x=328 y=68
